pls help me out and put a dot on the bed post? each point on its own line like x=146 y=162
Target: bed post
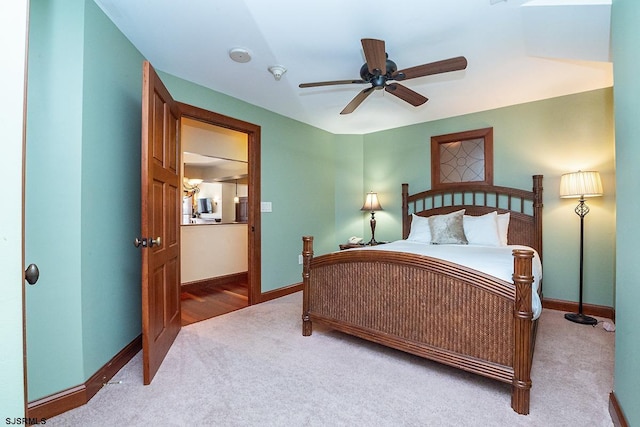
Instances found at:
x=307 y=254
x=523 y=318
x=537 y=212
x=406 y=224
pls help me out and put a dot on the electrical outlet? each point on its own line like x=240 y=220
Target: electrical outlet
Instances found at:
x=300 y=259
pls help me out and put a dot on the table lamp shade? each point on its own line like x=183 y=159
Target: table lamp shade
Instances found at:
x=580 y=184
x=371 y=203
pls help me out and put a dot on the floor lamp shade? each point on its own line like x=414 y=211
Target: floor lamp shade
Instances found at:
x=371 y=204
x=580 y=185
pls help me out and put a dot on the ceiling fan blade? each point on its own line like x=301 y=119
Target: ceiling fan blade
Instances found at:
x=329 y=83
x=444 y=66
x=375 y=55
x=355 y=102
x=406 y=94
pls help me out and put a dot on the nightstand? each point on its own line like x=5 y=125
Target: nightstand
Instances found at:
x=344 y=246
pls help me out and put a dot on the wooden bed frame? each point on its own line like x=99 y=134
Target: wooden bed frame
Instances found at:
x=432 y=308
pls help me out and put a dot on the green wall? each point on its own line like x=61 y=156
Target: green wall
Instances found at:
x=82 y=193
x=53 y=196
x=625 y=18
x=547 y=137
x=110 y=190
x=350 y=221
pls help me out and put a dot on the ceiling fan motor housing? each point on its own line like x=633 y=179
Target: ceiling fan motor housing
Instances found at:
x=378 y=80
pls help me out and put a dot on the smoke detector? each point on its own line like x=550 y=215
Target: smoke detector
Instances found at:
x=277 y=71
x=239 y=54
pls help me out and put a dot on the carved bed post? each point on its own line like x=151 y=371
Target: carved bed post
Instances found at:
x=406 y=224
x=307 y=254
x=537 y=212
x=523 y=318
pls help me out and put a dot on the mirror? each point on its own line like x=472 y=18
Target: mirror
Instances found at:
x=215 y=171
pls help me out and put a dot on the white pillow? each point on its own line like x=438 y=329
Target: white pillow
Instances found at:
x=420 y=231
x=482 y=230
x=503 y=227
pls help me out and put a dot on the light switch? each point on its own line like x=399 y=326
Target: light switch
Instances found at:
x=265 y=206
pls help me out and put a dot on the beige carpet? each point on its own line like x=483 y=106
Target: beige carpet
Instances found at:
x=253 y=367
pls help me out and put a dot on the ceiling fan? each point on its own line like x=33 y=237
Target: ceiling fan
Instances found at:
x=379 y=70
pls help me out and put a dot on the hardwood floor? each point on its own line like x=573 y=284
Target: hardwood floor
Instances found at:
x=210 y=300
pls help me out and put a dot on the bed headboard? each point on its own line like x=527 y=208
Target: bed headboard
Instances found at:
x=525 y=207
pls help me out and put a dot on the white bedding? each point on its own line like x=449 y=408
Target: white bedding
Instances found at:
x=496 y=261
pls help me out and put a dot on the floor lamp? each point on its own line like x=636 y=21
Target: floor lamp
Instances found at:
x=580 y=185
x=371 y=204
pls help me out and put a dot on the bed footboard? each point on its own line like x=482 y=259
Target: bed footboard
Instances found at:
x=427 y=307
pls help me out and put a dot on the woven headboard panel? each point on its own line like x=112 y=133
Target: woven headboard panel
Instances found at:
x=525 y=225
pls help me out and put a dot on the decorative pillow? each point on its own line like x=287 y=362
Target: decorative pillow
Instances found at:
x=447 y=229
x=482 y=230
x=420 y=231
x=503 y=227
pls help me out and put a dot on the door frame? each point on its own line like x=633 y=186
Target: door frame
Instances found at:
x=252 y=131
x=13 y=373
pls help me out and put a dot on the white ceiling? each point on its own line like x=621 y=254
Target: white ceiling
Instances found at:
x=518 y=51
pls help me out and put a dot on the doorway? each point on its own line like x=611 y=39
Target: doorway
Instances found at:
x=214 y=223
x=253 y=230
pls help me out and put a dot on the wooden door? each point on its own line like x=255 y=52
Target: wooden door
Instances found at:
x=160 y=223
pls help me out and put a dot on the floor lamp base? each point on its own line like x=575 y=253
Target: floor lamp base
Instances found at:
x=581 y=318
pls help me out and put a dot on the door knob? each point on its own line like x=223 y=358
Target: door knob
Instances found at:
x=144 y=242
x=140 y=242
x=31 y=274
